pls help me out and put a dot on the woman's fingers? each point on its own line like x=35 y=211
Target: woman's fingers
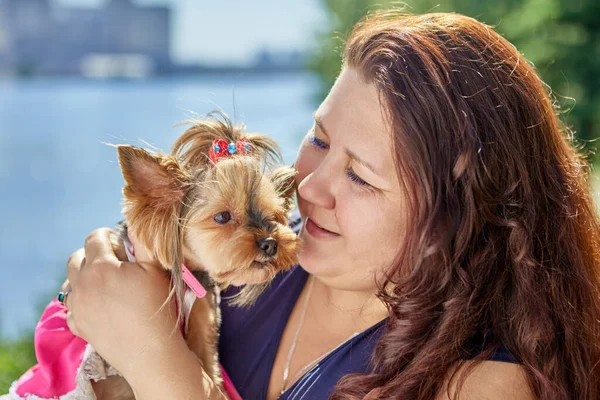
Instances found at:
x=118 y=306
x=98 y=246
x=66 y=288
x=71 y=324
x=98 y=250
x=66 y=284
x=74 y=265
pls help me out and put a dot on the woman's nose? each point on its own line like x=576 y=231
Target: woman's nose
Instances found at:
x=316 y=188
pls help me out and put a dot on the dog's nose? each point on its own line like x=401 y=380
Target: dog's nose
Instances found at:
x=268 y=246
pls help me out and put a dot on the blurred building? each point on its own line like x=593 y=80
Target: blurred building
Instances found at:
x=118 y=39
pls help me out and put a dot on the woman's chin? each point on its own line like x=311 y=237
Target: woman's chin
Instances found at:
x=336 y=276
x=317 y=266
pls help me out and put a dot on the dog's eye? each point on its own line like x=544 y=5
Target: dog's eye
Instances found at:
x=223 y=217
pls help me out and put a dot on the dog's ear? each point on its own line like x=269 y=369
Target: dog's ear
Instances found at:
x=284 y=180
x=155 y=185
x=156 y=176
x=153 y=194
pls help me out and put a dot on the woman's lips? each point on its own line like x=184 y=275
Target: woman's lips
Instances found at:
x=318 y=232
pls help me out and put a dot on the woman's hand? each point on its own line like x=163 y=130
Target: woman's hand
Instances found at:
x=118 y=308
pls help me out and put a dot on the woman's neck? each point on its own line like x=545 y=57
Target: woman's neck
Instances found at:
x=349 y=310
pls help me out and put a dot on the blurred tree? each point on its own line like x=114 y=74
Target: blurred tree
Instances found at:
x=560 y=37
x=16 y=357
x=17 y=354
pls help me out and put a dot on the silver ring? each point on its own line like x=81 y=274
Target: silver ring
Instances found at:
x=62 y=296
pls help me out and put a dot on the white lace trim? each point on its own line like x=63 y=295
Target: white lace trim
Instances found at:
x=93 y=367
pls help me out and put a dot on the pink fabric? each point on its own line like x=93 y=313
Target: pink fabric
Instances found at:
x=230 y=390
x=59 y=354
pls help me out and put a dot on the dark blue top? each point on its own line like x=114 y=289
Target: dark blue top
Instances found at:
x=250 y=338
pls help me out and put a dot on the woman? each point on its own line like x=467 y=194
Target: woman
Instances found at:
x=449 y=234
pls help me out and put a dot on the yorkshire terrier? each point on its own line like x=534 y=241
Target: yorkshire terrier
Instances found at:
x=216 y=208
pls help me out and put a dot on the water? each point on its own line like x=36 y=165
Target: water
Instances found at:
x=58 y=181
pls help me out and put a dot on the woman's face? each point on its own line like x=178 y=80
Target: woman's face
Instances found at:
x=347 y=184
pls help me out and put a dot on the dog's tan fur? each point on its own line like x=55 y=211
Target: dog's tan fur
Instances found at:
x=170 y=202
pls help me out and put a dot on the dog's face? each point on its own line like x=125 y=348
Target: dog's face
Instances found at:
x=229 y=219
x=235 y=219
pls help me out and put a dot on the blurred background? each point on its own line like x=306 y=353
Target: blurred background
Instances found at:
x=76 y=74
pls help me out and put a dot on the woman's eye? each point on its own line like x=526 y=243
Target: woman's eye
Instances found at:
x=222 y=218
x=355 y=178
x=318 y=143
x=349 y=172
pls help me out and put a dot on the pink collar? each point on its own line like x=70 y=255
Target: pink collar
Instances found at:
x=192 y=282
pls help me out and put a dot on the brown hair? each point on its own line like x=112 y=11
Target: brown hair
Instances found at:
x=503 y=243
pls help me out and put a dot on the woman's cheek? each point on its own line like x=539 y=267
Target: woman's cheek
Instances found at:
x=355 y=217
x=307 y=161
x=347 y=214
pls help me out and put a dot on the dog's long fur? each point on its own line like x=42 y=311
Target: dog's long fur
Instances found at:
x=170 y=204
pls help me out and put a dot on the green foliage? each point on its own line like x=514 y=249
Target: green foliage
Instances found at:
x=16 y=357
x=560 y=37
x=343 y=15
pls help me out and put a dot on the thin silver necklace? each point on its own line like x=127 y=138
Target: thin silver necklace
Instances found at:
x=284 y=385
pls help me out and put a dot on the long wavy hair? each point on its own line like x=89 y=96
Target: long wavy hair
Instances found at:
x=503 y=242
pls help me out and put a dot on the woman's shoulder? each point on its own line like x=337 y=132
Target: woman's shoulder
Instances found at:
x=492 y=380
x=486 y=371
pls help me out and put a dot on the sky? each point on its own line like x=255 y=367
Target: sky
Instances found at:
x=233 y=31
